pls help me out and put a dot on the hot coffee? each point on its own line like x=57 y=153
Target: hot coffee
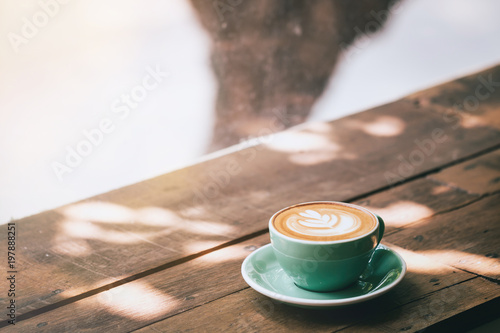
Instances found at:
x=324 y=221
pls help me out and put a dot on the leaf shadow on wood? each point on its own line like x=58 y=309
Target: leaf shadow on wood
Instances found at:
x=469 y=101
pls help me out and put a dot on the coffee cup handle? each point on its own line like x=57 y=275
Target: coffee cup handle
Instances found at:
x=381 y=229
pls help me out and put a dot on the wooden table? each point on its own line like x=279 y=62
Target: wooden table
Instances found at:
x=164 y=255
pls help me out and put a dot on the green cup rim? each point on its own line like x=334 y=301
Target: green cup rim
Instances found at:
x=303 y=241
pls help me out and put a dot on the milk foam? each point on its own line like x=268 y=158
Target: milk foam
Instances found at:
x=313 y=223
x=324 y=222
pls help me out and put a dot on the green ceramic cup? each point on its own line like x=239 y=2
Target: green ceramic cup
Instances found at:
x=325 y=265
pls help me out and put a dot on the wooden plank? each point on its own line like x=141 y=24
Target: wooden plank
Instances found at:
x=204 y=280
x=466 y=238
x=422 y=198
x=249 y=311
x=89 y=244
x=481 y=318
x=480 y=175
x=470 y=101
x=154 y=297
x=394 y=205
x=435 y=308
x=400 y=205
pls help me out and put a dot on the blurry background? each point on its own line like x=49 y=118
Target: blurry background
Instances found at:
x=70 y=72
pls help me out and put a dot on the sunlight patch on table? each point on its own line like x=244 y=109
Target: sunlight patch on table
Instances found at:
x=317 y=127
x=469 y=121
x=88 y=230
x=382 y=126
x=73 y=247
x=294 y=141
x=206 y=227
x=105 y=212
x=236 y=252
x=471 y=262
x=402 y=212
x=99 y=211
x=440 y=189
x=308 y=148
x=314 y=157
x=156 y=216
x=420 y=264
x=198 y=246
x=137 y=300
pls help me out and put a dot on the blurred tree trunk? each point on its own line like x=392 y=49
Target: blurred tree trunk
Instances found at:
x=272 y=59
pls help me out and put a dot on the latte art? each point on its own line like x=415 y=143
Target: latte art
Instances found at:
x=324 y=221
x=313 y=223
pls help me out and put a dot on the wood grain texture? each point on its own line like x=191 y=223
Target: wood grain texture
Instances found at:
x=412 y=201
x=401 y=205
x=202 y=282
x=89 y=244
x=480 y=175
x=248 y=311
x=434 y=309
x=411 y=198
x=154 y=297
x=466 y=238
x=470 y=101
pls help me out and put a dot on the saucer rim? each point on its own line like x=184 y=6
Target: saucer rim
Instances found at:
x=319 y=303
